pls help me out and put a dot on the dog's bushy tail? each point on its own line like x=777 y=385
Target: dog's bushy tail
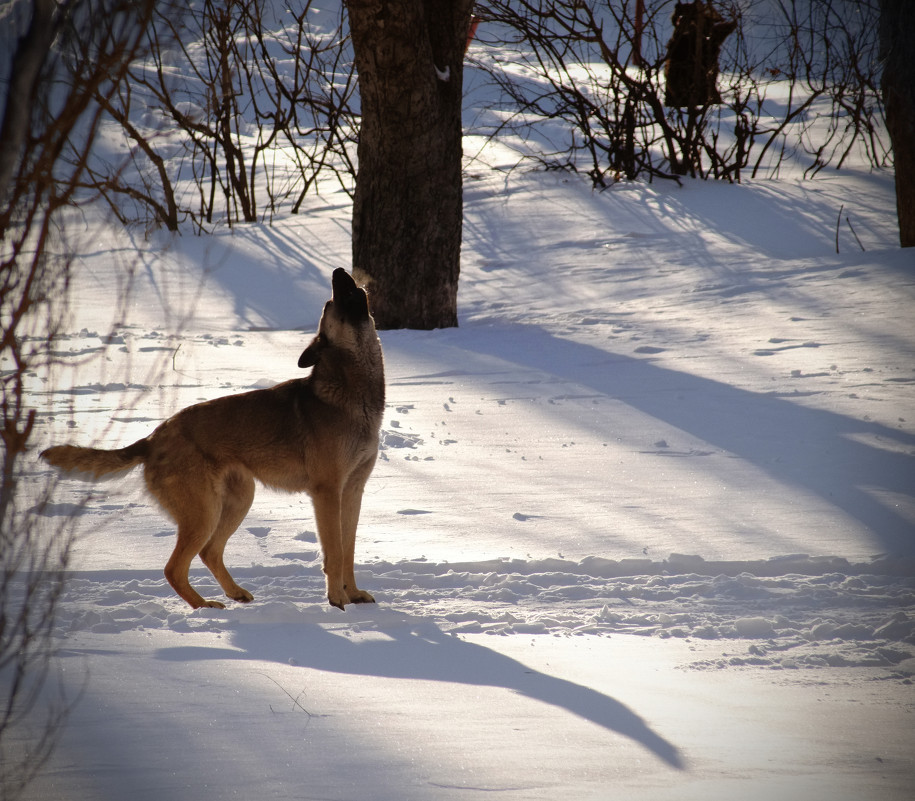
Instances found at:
x=93 y=463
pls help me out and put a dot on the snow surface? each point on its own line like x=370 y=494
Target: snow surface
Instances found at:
x=643 y=526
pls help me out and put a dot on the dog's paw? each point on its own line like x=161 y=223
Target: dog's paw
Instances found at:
x=212 y=605
x=242 y=596
x=348 y=596
x=337 y=596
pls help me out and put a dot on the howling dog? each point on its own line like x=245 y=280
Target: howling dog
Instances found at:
x=318 y=434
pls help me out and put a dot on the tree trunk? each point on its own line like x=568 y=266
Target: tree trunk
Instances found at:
x=408 y=205
x=897 y=38
x=28 y=59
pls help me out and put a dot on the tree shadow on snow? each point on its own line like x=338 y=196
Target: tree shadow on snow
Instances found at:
x=274 y=280
x=415 y=648
x=846 y=461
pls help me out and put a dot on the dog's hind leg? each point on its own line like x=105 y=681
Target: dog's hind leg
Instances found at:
x=195 y=506
x=194 y=531
x=238 y=493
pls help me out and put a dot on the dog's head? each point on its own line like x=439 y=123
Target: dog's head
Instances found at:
x=345 y=321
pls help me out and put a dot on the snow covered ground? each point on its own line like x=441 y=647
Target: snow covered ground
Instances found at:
x=643 y=526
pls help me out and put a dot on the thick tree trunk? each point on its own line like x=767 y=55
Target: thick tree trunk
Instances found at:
x=897 y=40
x=408 y=206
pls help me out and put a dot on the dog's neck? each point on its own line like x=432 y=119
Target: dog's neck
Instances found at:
x=351 y=382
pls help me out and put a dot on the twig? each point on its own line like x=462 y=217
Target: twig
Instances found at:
x=174 y=354
x=838 y=223
x=853 y=232
x=294 y=699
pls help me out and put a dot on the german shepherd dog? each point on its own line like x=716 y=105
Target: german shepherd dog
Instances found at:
x=318 y=434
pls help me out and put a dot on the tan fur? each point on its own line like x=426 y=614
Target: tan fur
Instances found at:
x=317 y=434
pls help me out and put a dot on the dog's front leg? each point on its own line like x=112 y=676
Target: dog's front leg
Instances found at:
x=350 y=507
x=330 y=532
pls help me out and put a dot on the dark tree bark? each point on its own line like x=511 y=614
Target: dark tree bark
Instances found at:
x=408 y=205
x=691 y=68
x=897 y=40
x=27 y=62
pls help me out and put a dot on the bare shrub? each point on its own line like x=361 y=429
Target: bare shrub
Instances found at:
x=65 y=56
x=795 y=79
x=234 y=113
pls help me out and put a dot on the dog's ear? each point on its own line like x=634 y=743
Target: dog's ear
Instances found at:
x=312 y=353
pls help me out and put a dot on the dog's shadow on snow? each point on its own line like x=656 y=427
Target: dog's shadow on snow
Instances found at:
x=416 y=648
